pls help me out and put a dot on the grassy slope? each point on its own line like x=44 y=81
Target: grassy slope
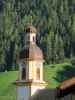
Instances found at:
x=8 y=90
x=51 y=71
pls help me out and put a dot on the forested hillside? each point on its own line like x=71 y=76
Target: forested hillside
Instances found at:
x=54 y=20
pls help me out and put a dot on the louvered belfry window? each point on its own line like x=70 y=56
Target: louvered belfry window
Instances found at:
x=23 y=73
x=38 y=73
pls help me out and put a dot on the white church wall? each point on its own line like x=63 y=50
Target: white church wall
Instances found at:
x=31 y=37
x=23 y=93
x=35 y=89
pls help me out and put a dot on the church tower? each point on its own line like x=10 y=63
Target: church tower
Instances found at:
x=30 y=60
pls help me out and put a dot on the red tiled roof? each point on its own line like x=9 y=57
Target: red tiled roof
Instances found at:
x=67 y=84
x=33 y=52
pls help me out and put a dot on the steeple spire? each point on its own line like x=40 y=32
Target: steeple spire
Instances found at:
x=31 y=20
x=30 y=67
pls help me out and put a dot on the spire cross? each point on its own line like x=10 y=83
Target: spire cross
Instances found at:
x=31 y=20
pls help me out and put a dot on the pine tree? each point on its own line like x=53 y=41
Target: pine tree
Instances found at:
x=50 y=53
x=59 y=49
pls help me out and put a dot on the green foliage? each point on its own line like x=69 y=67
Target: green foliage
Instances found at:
x=66 y=73
x=50 y=54
x=54 y=20
x=72 y=60
x=59 y=49
x=56 y=73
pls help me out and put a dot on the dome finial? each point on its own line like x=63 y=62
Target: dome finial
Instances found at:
x=31 y=20
x=30 y=28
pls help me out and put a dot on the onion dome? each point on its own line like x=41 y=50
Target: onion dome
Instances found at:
x=30 y=29
x=33 y=52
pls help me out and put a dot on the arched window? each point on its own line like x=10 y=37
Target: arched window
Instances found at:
x=38 y=73
x=34 y=39
x=23 y=73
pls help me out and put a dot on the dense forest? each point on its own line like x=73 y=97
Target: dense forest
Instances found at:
x=54 y=20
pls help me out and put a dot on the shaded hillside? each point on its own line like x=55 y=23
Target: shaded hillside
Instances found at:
x=54 y=20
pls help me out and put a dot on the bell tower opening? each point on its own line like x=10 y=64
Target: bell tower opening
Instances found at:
x=34 y=40
x=23 y=73
x=38 y=74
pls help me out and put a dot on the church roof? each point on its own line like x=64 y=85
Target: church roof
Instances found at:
x=52 y=94
x=30 y=29
x=33 y=52
x=44 y=94
x=67 y=84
